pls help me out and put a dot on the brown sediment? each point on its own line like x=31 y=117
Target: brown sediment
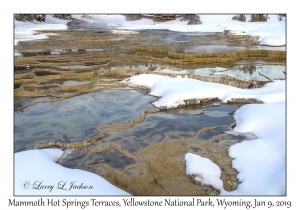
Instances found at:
x=59 y=91
x=96 y=76
x=159 y=169
x=95 y=82
x=51 y=90
x=129 y=125
x=181 y=58
x=245 y=100
x=120 y=50
x=46 y=67
x=117 y=48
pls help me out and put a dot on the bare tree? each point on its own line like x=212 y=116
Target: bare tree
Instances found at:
x=30 y=17
x=259 y=18
x=239 y=17
x=281 y=17
x=192 y=18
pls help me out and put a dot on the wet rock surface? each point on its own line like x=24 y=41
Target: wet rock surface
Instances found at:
x=152 y=152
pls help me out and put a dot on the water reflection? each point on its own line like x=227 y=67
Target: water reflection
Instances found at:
x=153 y=129
x=77 y=118
x=242 y=71
x=173 y=125
x=24 y=101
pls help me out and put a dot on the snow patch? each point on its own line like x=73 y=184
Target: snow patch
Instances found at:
x=206 y=172
x=38 y=167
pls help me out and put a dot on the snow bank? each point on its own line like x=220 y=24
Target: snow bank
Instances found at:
x=260 y=162
x=173 y=91
x=36 y=173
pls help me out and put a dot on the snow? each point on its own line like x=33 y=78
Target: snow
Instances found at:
x=111 y=20
x=26 y=31
x=38 y=167
x=260 y=162
x=207 y=172
x=271 y=33
x=173 y=91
